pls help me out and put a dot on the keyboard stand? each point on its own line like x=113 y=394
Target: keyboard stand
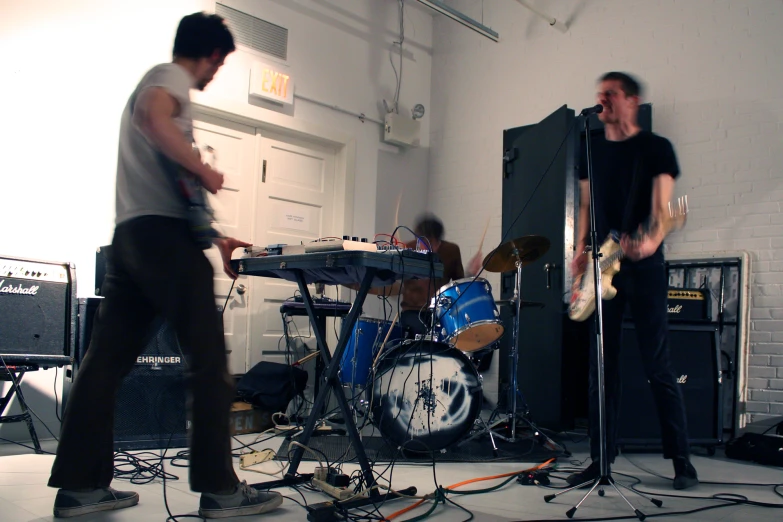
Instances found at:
x=343 y=267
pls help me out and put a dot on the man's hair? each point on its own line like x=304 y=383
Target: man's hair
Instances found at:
x=629 y=84
x=199 y=35
x=428 y=225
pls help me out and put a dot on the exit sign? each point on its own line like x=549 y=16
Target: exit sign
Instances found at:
x=271 y=83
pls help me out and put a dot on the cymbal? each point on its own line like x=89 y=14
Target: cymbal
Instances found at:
x=525 y=249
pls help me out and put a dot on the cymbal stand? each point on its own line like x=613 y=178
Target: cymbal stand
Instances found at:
x=512 y=415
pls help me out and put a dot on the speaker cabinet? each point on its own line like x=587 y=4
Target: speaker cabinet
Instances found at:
x=151 y=404
x=37 y=312
x=695 y=357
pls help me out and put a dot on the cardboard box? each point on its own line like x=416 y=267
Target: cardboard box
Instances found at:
x=246 y=419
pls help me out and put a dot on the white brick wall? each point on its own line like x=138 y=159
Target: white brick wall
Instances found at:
x=712 y=71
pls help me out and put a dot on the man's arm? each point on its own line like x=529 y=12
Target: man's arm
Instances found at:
x=153 y=115
x=583 y=227
x=663 y=188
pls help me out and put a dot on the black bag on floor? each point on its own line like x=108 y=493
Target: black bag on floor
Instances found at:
x=764 y=449
x=271 y=386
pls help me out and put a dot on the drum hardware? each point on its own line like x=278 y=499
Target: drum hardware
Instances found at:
x=514 y=255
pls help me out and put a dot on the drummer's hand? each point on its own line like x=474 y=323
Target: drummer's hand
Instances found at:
x=475 y=264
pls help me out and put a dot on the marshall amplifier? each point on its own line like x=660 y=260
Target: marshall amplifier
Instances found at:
x=686 y=305
x=38 y=310
x=695 y=358
x=689 y=305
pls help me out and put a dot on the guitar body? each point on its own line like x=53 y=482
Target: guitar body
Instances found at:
x=583 y=295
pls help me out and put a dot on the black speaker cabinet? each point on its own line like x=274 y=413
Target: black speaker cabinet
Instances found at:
x=695 y=356
x=37 y=312
x=151 y=407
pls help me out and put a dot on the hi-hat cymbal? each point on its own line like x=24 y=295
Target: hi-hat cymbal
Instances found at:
x=525 y=249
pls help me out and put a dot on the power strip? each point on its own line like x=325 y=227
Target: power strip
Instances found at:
x=286 y=428
x=251 y=459
x=338 y=493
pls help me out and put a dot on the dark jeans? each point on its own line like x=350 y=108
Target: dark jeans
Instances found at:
x=643 y=286
x=156 y=269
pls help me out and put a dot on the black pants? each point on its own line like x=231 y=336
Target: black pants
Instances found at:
x=643 y=286
x=156 y=270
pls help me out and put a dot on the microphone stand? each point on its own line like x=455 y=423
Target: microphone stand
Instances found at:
x=605 y=478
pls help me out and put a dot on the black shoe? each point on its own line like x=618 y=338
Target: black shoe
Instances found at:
x=245 y=500
x=588 y=475
x=684 y=474
x=75 y=503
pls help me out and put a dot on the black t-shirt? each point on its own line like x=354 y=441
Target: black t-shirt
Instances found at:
x=619 y=206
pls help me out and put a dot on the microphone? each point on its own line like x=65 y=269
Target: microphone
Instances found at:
x=596 y=109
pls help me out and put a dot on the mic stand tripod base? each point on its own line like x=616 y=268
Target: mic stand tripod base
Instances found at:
x=604 y=481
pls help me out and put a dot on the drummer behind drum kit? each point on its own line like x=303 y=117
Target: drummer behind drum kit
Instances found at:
x=425 y=394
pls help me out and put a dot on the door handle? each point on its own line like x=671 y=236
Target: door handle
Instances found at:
x=548 y=268
x=241 y=289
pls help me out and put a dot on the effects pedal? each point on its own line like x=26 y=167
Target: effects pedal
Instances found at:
x=534 y=478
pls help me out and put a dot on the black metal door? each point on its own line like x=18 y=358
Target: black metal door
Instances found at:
x=539 y=188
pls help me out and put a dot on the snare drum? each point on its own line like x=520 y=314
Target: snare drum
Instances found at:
x=366 y=339
x=467 y=314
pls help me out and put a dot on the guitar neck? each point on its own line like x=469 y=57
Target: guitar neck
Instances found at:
x=610 y=260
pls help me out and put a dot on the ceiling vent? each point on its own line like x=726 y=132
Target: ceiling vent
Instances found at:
x=255 y=33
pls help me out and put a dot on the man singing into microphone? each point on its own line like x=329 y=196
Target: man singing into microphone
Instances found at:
x=634 y=174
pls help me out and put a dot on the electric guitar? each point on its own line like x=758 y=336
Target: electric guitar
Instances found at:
x=200 y=213
x=583 y=292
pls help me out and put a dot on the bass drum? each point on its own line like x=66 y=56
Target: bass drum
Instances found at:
x=425 y=395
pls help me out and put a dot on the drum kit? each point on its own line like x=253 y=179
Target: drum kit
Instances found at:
x=425 y=394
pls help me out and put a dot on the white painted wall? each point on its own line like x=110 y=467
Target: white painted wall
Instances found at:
x=70 y=67
x=712 y=72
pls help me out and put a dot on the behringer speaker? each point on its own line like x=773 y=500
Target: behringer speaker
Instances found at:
x=151 y=405
x=695 y=359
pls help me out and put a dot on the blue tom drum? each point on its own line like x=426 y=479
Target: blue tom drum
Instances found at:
x=467 y=314
x=366 y=339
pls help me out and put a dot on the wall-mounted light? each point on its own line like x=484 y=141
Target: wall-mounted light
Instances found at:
x=418 y=111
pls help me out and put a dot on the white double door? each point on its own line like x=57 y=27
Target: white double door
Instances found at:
x=277 y=190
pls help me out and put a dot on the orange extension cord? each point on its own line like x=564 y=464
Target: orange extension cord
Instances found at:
x=464 y=482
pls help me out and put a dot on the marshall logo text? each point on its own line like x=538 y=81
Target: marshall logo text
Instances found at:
x=675 y=309
x=21 y=290
x=150 y=359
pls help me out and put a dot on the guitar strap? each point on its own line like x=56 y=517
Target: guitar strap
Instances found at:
x=633 y=195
